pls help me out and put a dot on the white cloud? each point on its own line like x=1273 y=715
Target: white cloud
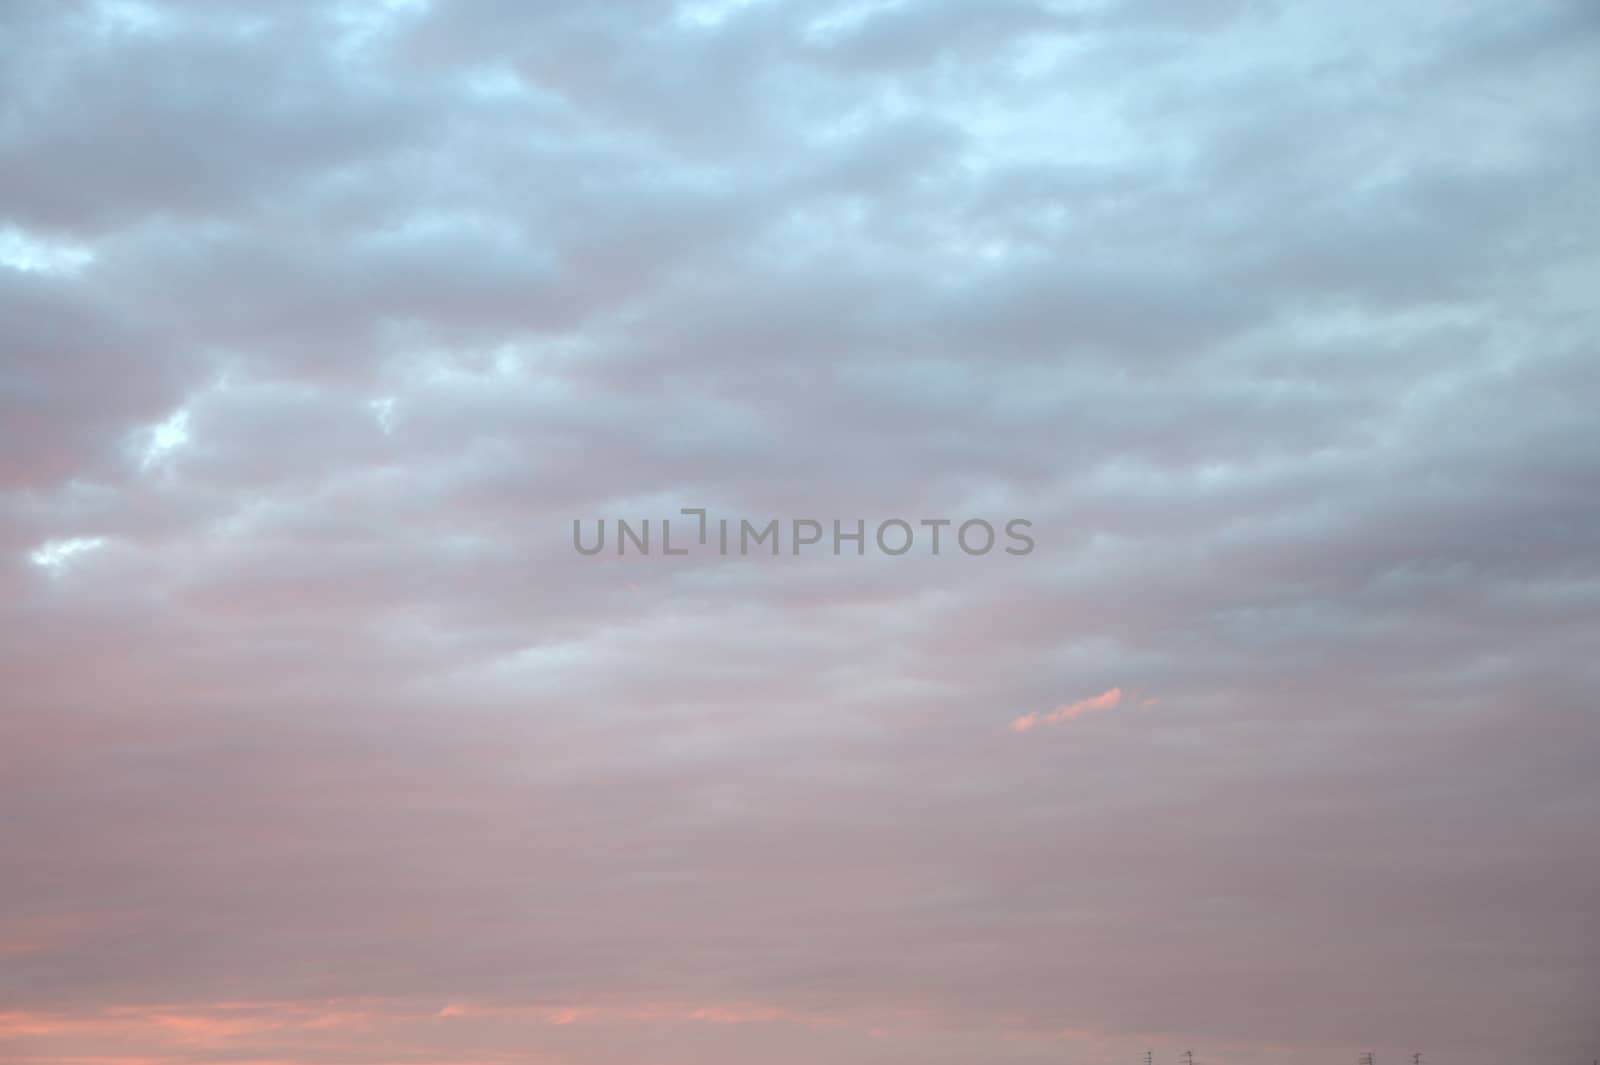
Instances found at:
x=31 y=253
x=165 y=437
x=54 y=555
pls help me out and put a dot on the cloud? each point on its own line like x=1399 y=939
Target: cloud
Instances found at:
x=326 y=321
x=57 y=553
x=1106 y=700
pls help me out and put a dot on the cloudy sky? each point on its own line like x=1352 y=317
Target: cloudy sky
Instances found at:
x=321 y=323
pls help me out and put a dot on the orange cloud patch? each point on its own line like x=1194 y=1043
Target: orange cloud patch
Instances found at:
x=565 y=1015
x=1106 y=700
x=205 y=1026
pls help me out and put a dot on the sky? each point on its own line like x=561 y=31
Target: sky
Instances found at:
x=323 y=323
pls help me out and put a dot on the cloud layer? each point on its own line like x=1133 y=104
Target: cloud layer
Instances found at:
x=320 y=323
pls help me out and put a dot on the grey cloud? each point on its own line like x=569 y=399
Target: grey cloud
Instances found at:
x=1275 y=320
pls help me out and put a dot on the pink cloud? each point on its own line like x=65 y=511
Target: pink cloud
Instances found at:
x=1106 y=700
